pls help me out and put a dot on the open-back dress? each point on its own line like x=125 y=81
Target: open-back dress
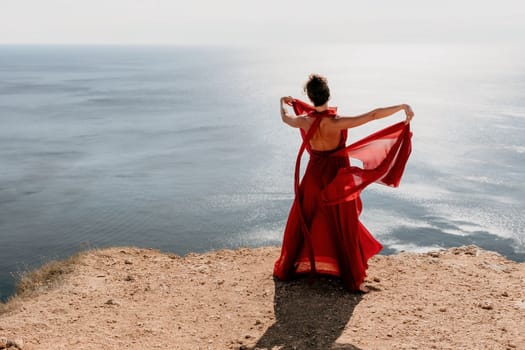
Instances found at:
x=323 y=234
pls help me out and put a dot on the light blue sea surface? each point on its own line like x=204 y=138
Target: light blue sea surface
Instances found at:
x=183 y=149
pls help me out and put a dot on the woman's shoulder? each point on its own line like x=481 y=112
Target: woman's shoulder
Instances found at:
x=331 y=119
x=308 y=116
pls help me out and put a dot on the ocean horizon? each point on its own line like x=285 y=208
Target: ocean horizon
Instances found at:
x=181 y=148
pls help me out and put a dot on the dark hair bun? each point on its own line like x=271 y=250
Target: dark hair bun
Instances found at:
x=317 y=89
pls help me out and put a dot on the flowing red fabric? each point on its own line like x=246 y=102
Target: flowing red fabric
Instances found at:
x=323 y=233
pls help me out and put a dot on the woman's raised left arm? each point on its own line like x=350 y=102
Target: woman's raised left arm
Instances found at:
x=293 y=121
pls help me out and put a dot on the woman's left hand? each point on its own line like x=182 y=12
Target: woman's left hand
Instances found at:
x=287 y=99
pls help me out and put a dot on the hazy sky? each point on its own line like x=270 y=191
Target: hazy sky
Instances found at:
x=259 y=22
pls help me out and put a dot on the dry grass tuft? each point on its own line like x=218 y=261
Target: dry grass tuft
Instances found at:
x=41 y=279
x=46 y=276
x=3 y=308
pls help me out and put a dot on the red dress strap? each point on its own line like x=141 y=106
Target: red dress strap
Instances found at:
x=300 y=108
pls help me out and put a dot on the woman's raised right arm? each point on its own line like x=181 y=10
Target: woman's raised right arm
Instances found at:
x=378 y=113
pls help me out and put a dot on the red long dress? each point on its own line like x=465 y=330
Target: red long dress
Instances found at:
x=323 y=233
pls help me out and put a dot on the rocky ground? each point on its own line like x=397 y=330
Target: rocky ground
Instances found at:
x=130 y=298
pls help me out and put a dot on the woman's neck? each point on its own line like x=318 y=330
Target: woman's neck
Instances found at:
x=322 y=108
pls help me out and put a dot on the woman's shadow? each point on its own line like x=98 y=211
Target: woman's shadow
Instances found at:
x=309 y=316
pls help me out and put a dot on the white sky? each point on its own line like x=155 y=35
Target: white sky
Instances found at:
x=259 y=22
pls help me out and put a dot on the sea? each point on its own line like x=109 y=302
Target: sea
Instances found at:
x=182 y=148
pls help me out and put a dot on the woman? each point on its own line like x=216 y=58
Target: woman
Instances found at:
x=323 y=233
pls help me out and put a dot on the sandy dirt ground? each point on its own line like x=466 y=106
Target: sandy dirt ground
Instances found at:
x=130 y=298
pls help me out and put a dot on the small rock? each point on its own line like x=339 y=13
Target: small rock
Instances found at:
x=471 y=250
x=129 y=278
x=376 y=279
x=442 y=309
x=257 y=322
x=111 y=302
x=486 y=305
x=127 y=262
x=504 y=294
x=11 y=344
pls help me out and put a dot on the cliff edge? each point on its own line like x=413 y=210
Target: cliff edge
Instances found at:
x=131 y=298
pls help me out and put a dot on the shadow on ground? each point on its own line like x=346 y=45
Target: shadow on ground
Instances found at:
x=309 y=316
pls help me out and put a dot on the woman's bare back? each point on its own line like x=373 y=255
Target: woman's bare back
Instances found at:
x=324 y=138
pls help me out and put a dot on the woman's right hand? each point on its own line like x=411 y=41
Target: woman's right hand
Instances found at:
x=409 y=113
